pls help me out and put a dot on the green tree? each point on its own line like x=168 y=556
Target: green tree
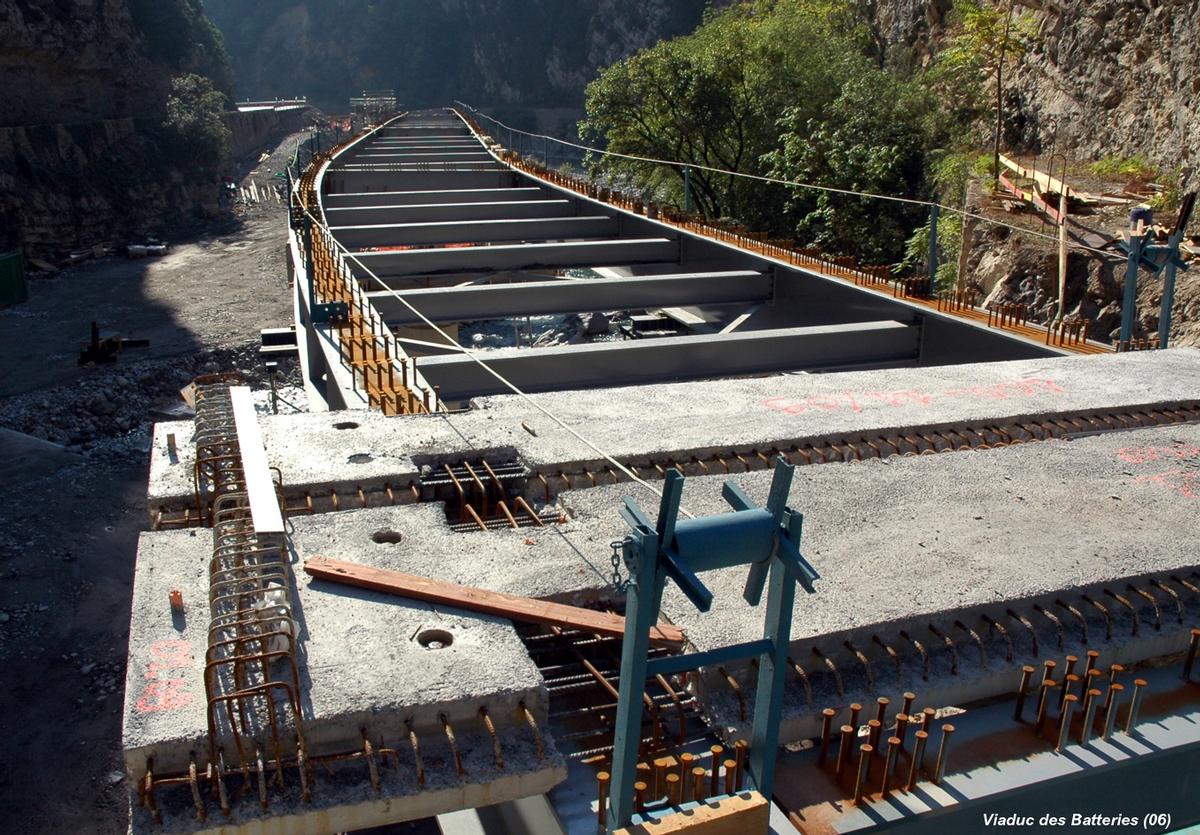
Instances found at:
x=871 y=139
x=195 y=119
x=713 y=98
x=989 y=39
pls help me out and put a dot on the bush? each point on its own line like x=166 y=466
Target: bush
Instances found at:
x=195 y=119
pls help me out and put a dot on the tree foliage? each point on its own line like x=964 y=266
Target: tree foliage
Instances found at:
x=195 y=120
x=179 y=35
x=788 y=88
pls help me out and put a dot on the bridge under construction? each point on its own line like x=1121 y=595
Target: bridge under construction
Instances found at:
x=417 y=599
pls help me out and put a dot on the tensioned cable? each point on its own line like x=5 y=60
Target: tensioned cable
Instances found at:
x=912 y=201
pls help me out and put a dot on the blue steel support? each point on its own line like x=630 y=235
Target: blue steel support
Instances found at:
x=768 y=706
x=644 y=597
x=1168 y=299
x=1129 y=302
x=765 y=539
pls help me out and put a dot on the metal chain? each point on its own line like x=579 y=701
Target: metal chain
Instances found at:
x=619 y=585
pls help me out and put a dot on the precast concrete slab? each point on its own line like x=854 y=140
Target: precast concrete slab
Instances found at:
x=540 y=228
x=372 y=666
x=428 y=212
x=387 y=264
x=680 y=421
x=674 y=358
x=458 y=304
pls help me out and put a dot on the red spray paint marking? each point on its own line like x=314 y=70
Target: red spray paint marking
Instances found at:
x=162 y=692
x=855 y=401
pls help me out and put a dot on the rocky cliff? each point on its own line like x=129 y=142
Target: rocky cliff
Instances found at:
x=519 y=53
x=1116 y=78
x=83 y=89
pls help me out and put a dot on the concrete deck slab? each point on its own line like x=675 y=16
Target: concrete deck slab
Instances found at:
x=363 y=666
x=636 y=424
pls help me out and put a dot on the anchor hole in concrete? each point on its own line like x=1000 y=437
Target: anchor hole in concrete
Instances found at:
x=345 y=424
x=434 y=638
x=386 y=537
x=360 y=458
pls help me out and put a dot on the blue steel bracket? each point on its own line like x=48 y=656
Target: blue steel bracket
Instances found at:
x=333 y=313
x=765 y=539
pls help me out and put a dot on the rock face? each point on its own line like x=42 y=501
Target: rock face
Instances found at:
x=536 y=54
x=83 y=88
x=1119 y=78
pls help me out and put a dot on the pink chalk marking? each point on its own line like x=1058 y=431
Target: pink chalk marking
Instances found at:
x=833 y=402
x=1177 y=481
x=1146 y=454
x=162 y=693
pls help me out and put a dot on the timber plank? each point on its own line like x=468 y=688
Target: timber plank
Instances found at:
x=526 y=609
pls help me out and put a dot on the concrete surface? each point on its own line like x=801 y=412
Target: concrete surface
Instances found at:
x=362 y=666
x=681 y=419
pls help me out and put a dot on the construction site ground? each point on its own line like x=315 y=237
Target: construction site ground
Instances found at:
x=68 y=534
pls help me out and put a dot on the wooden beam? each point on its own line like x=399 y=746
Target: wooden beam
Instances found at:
x=526 y=609
x=747 y=813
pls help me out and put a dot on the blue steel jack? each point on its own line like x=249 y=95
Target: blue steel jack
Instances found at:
x=767 y=539
x=1159 y=259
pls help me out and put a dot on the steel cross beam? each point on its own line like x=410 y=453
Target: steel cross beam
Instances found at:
x=766 y=539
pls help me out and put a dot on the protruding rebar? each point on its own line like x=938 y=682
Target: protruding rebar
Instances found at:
x=844 y=749
x=1024 y=621
x=1114 y=673
x=837 y=677
x=803 y=680
x=1064 y=721
x=698 y=784
x=864 y=765
x=949 y=642
x=974 y=636
x=907 y=704
x=715 y=775
x=1078 y=615
x=1135 y=703
x=1110 y=711
x=1026 y=674
x=826 y=726
x=902 y=727
x=1043 y=705
x=892 y=654
x=918 y=760
x=1090 y=700
x=874 y=730
x=996 y=626
x=1190 y=661
x=855 y=711
x=1093 y=658
x=920 y=648
x=1103 y=610
x=1053 y=618
x=888 y=764
x=943 y=752
x=672 y=788
x=866 y=662
x=603 y=779
x=881 y=706
x=730 y=774
x=1048 y=668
